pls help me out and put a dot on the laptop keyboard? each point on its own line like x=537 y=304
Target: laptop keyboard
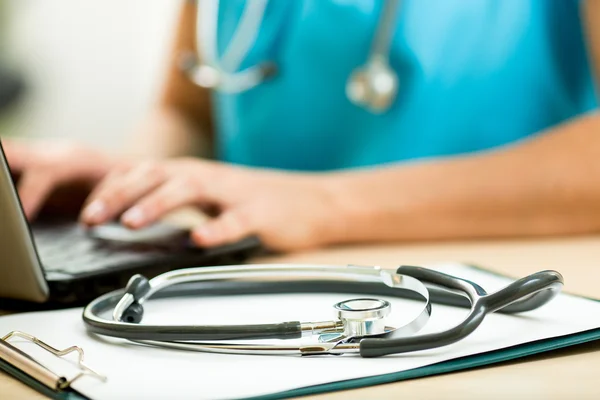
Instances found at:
x=68 y=249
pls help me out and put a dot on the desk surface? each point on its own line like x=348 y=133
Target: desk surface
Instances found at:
x=557 y=375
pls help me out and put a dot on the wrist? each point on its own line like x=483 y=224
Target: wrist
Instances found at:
x=349 y=209
x=367 y=206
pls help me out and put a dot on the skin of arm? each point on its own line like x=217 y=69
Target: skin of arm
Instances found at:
x=546 y=185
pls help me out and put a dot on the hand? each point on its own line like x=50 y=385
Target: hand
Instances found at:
x=54 y=175
x=286 y=210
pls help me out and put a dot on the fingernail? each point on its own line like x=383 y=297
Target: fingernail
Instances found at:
x=204 y=234
x=95 y=212
x=134 y=217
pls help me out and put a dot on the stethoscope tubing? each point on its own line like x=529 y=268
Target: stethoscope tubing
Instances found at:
x=523 y=295
x=526 y=293
x=284 y=330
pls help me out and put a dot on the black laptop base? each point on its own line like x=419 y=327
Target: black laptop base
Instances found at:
x=78 y=290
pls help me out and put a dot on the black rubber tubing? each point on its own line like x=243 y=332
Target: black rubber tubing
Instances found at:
x=290 y=330
x=534 y=290
x=284 y=330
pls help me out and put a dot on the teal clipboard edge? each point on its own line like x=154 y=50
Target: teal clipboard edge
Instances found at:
x=458 y=364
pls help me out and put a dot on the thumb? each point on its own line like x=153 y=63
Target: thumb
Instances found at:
x=230 y=226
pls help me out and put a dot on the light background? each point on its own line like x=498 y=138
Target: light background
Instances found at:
x=93 y=67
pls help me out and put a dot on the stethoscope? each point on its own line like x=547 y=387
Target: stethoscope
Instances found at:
x=372 y=86
x=359 y=326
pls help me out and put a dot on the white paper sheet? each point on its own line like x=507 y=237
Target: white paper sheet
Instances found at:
x=135 y=371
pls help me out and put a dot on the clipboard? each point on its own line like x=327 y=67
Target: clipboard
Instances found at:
x=26 y=369
x=455 y=364
x=446 y=367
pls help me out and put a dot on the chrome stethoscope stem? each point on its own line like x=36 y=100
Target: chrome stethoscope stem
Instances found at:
x=255 y=349
x=281 y=271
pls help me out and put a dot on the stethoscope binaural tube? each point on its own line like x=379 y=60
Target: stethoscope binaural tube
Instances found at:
x=523 y=295
x=372 y=86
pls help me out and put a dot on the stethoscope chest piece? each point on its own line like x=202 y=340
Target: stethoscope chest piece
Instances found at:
x=359 y=318
x=375 y=86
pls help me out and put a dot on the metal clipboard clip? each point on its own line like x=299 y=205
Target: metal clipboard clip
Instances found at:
x=22 y=361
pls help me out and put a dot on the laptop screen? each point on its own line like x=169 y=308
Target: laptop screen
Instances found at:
x=21 y=275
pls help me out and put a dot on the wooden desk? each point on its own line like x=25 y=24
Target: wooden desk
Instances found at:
x=567 y=373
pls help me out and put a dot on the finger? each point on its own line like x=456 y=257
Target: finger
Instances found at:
x=94 y=210
x=166 y=198
x=34 y=189
x=119 y=191
x=229 y=227
x=114 y=175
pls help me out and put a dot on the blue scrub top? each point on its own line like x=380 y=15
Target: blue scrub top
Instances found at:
x=474 y=74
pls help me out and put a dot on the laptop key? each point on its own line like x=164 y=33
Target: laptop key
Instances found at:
x=68 y=249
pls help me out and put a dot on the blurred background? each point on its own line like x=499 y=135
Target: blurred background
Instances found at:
x=82 y=69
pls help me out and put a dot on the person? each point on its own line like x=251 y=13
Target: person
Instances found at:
x=494 y=132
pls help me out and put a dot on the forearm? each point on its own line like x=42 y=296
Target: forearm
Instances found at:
x=549 y=184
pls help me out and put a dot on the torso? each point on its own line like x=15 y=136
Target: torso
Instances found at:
x=474 y=74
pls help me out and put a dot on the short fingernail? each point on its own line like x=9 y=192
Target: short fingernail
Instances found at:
x=95 y=212
x=134 y=217
x=204 y=233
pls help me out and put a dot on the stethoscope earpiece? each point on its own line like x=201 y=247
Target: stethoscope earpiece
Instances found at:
x=129 y=309
x=209 y=77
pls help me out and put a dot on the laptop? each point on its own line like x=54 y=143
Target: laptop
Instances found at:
x=57 y=262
